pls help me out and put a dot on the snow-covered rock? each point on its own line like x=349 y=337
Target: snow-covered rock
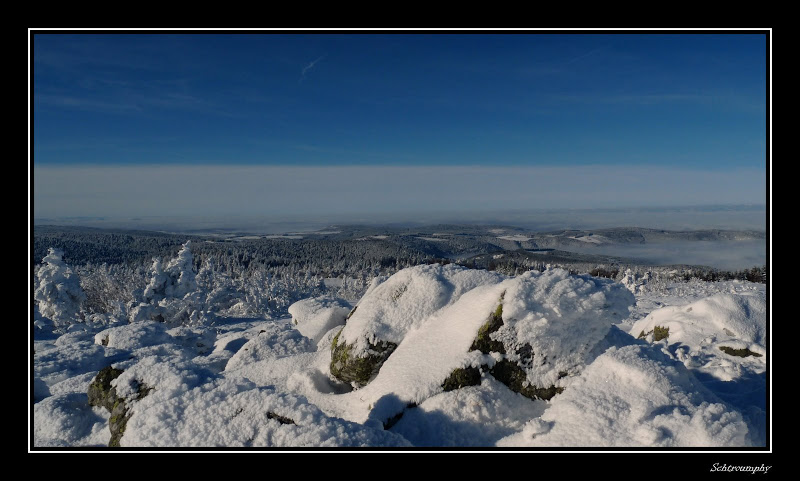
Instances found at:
x=67 y=420
x=236 y=412
x=390 y=309
x=134 y=335
x=316 y=316
x=634 y=396
x=721 y=334
x=552 y=320
x=533 y=333
x=722 y=339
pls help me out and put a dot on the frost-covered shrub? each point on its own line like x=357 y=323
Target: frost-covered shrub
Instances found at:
x=111 y=289
x=58 y=290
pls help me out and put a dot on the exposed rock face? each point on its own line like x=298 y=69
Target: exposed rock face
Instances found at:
x=102 y=393
x=359 y=371
x=462 y=377
x=513 y=376
x=483 y=341
x=510 y=373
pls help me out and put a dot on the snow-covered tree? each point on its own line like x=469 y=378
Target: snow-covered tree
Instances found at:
x=58 y=290
x=172 y=294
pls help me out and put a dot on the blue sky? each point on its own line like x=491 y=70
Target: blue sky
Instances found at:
x=682 y=103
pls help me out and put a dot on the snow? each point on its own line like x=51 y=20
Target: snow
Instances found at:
x=68 y=420
x=390 y=309
x=516 y=238
x=592 y=239
x=273 y=341
x=266 y=382
x=132 y=336
x=471 y=416
x=698 y=331
x=58 y=292
x=634 y=396
x=238 y=413
x=427 y=355
x=314 y=317
x=561 y=316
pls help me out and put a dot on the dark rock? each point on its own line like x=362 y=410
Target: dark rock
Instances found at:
x=483 y=341
x=358 y=370
x=279 y=418
x=512 y=374
x=462 y=377
x=515 y=378
x=738 y=352
x=101 y=393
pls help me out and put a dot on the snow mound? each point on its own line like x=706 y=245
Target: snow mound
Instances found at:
x=134 y=335
x=391 y=308
x=472 y=416
x=550 y=324
x=700 y=333
x=273 y=341
x=634 y=396
x=167 y=377
x=65 y=369
x=552 y=320
x=237 y=413
x=68 y=420
x=427 y=355
x=316 y=316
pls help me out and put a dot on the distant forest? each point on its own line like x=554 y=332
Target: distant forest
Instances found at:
x=263 y=276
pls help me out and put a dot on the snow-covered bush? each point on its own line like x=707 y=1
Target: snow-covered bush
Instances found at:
x=58 y=290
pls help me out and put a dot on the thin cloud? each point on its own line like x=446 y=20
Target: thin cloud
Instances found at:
x=309 y=67
x=585 y=55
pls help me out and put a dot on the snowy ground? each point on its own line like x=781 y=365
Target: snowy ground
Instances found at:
x=259 y=382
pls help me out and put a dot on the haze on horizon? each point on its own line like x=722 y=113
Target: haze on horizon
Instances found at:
x=400 y=127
